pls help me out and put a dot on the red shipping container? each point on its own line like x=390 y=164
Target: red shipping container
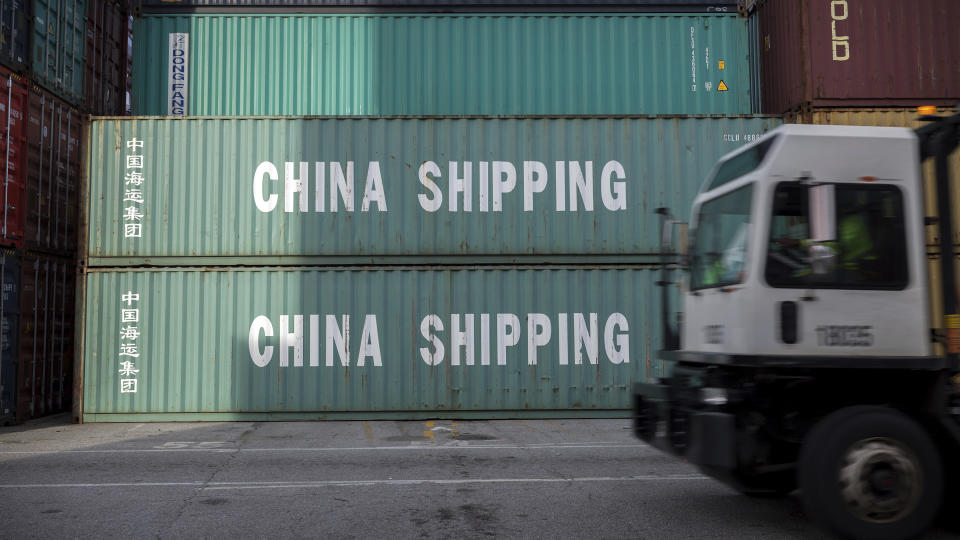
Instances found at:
x=13 y=108
x=105 y=65
x=53 y=174
x=45 y=341
x=858 y=53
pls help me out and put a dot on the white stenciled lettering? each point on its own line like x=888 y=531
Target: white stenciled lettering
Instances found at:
x=373 y=189
x=841 y=44
x=507 y=335
x=340 y=337
x=292 y=184
x=617 y=345
x=260 y=324
x=296 y=187
x=534 y=181
x=585 y=338
x=544 y=338
x=538 y=335
x=504 y=180
x=337 y=340
x=291 y=339
x=432 y=358
x=496 y=181
x=268 y=170
x=342 y=183
x=430 y=203
x=613 y=194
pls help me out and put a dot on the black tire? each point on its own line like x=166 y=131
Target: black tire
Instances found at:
x=871 y=472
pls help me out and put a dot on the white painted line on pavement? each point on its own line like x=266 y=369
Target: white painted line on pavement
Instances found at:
x=362 y=483
x=424 y=447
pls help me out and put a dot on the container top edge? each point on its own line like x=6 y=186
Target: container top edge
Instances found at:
x=446 y=117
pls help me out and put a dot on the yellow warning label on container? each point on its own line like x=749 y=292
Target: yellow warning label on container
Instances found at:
x=720 y=64
x=721 y=87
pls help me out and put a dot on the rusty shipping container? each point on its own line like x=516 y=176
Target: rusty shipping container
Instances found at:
x=856 y=53
x=172 y=344
x=9 y=330
x=15 y=18
x=51 y=203
x=105 y=65
x=13 y=146
x=46 y=336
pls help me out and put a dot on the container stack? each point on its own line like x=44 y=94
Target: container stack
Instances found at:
x=857 y=63
x=397 y=209
x=59 y=62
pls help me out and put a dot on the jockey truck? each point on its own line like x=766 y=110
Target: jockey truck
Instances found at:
x=819 y=342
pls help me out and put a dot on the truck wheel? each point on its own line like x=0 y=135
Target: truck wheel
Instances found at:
x=871 y=472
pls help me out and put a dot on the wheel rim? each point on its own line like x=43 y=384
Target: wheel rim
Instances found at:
x=881 y=480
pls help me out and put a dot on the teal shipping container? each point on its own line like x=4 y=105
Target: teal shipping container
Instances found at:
x=442 y=64
x=220 y=191
x=58 y=47
x=315 y=343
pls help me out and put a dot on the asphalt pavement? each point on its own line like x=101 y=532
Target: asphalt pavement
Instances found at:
x=414 y=479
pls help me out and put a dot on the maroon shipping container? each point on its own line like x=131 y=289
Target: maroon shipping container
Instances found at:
x=13 y=130
x=45 y=341
x=53 y=174
x=105 y=66
x=858 y=53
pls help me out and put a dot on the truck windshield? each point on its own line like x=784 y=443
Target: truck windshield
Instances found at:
x=719 y=251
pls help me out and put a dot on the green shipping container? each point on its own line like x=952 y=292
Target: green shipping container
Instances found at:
x=58 y=47
x=309 y=343
x=213 y=191
x=465 y=64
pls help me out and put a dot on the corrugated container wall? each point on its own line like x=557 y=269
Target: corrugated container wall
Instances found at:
x=13 y=146
x=46 y=337
x=59 y=47
x=105 y=79
x=449 y=5
x=856 y=53
x=905 y=117
x=364 y=188
x=15 y=34
x=53 y=174
x=273 y=343
x=9 y=330
x=470 y=64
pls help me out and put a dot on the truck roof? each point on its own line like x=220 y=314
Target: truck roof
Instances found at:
x=824 y=153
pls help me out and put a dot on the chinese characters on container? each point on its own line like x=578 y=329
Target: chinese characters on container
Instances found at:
x=129 y=348
x=133 y=190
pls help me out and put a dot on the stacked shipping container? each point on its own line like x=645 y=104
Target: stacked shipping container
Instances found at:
x=385 y=265
x=58 y=62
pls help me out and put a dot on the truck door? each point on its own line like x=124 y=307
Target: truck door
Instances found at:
x=854 y=308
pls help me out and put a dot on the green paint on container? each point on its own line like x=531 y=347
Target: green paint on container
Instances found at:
x=58 y=47
x=464 y=64
x=311 y=342
x=366 y=190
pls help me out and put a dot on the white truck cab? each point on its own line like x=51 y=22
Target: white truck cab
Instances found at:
x=752 y=290
x=807 y=355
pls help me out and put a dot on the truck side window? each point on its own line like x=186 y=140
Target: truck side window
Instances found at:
x=870 y=246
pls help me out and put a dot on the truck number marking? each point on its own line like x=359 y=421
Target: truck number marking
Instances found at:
x=844 y=336
x=713 y=334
